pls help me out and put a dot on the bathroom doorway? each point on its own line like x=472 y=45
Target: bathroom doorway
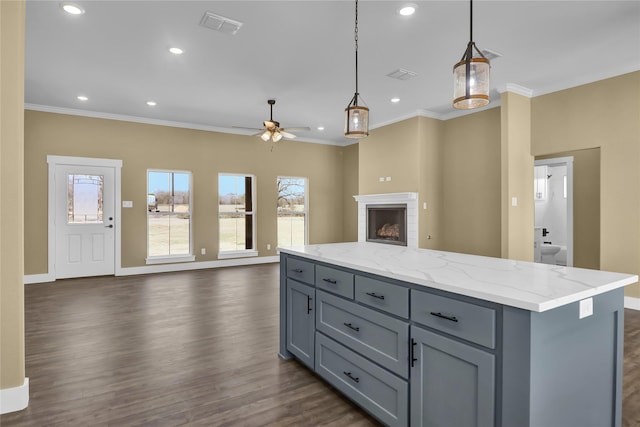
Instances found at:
x=553 y=200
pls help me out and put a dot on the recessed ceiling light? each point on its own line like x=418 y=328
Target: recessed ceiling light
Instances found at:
x=82 y=98
x=407 y=10
x=151 y=103
x=176 y=50
x=395 y=100
x=320 y=127
x=72 y=8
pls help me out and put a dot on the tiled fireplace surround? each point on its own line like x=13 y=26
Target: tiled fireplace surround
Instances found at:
x=410 y=199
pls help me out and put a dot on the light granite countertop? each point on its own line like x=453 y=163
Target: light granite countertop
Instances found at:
x=530 y=286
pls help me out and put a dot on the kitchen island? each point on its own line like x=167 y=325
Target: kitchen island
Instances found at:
x=430 y=338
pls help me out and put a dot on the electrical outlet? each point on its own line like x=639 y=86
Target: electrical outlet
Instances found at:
x=586 y=308
x=203 y=251
x=268 y=246
x=388 y=179
x=381 y=179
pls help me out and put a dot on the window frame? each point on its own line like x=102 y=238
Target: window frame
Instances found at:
x=166 y=259
x=240 y=253
x=305 y=210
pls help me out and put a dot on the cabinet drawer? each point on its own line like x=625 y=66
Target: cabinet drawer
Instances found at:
x=461 y=319
x=385 y=296
x=300 y=270
x=334 y=280
x=381 y=393
x=379 y=337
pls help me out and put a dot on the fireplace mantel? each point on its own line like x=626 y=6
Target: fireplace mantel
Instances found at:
x=410 y=199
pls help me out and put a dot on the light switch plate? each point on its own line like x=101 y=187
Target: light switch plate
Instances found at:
x=127 y=204
x=586 y=308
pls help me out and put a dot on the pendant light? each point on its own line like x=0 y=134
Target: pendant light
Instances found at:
x=356 y=119
x=471 y=75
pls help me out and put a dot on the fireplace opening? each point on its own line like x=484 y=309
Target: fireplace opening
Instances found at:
x=387 y=224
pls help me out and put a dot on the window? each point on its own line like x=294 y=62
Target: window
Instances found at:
x=168 y=217
x=84 y=198
x=236 y=216
x=292 y=211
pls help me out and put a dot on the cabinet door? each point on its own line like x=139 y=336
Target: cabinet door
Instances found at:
x=452 y=384
x=301 y=321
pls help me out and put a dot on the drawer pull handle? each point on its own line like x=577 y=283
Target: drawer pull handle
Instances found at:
x=373 y=294
x=413 y=352
x=442 y=316
x=350 y=326
x=298 y=270
x=356 y=379
x=308 y=304
x=332 y=281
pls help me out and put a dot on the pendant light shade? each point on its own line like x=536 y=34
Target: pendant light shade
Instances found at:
x=356 y=117
x=471 y=75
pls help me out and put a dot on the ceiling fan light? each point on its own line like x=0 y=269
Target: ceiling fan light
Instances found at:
x=477 y=81
x=356 y=122
x=277 y=136
x=265 y=135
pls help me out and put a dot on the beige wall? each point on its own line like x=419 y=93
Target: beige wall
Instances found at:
x=516 y=177
x=350 y=189
x=471 y=184
x=12 y=37
x=430 y=191
x=603 y=114
x=586 y=206
x=205 y=154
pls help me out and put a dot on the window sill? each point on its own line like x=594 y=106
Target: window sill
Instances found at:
x=237 y=254
x=170 y=259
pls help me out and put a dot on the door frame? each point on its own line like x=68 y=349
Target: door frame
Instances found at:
x=53 y=162
x=568 y=162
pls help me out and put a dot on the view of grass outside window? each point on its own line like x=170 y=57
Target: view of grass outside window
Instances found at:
x=292 y=211
x=168 y=213
x=235 y=212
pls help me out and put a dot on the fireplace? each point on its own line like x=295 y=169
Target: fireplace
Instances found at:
x=390 y=218
x=387 y=224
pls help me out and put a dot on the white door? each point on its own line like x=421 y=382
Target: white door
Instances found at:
x=84 y=221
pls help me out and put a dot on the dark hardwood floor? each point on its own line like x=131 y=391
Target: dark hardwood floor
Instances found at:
x=187 y=348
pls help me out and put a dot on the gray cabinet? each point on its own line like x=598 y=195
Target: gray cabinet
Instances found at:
x=301 y=321
x=452 y=384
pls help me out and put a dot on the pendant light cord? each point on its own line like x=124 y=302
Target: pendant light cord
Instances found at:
x=355 y=36
x=471 y=21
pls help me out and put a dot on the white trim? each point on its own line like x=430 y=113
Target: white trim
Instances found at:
x=581 y=79
x=517 y=89
x=38 y=278
x=632 y=303
x=170 y=259
x=15 y=398
x=165 y=268
x=53 y=162
x=237 y=254
x=158 y=122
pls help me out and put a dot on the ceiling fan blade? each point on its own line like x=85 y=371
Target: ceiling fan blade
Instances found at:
x=246 y=128
x=287 y=134
x=298 y=129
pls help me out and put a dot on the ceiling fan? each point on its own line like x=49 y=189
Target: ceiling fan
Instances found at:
x=272 y=130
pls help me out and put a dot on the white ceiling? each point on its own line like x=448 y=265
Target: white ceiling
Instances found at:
x=302 y=54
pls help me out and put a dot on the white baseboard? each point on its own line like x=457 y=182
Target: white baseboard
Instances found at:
x=14 y=399
x=632 y=303
x=38 y=278
x=165 y=268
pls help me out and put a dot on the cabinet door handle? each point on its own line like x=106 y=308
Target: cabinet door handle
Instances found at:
x=350 y=326
x=298 y=270
x=373 y=294
x=309 y=299
x=442 y=316
x=413 y=352
x=356 y=379
x=332 y=281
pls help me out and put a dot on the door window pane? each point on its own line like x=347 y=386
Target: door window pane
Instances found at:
x=292 y=211
x=84 y=198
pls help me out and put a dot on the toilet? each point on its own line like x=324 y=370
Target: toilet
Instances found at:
x=548 y=252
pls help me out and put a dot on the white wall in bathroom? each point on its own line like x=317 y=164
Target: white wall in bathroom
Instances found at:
x=552 y=212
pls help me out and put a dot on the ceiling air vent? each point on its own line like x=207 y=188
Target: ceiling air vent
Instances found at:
x=491 y=54
x=220 y=23
x=402 y=74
